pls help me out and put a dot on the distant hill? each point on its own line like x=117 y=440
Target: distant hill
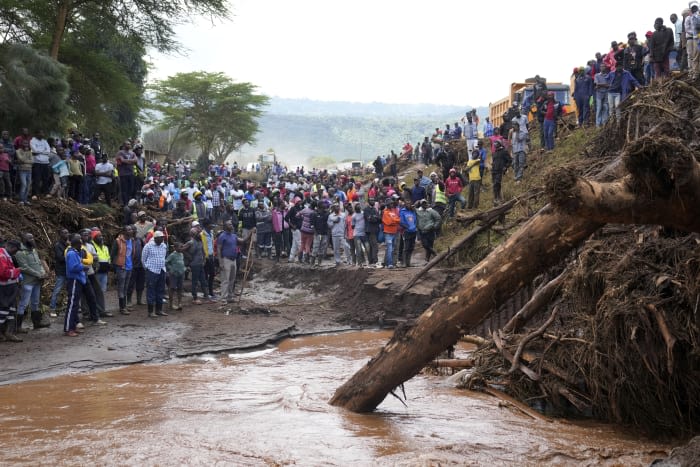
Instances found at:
x=298 y=129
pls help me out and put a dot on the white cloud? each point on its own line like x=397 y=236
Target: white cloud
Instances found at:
x=462 y=53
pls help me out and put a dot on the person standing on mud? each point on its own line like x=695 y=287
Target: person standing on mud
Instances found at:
x=59 y=264
x=247 y=218
x=75 y=281
x=153 y=260
x=123 y=261
x=390 y=221
x=336 y=222
x=10 y=277
x=307 y=231
x=429 y=221
x=34 y=274
x=294 y=223
x=319 y=221
x=227 y=247
x=372 y=222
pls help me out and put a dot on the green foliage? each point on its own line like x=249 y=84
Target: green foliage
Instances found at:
x=33 y=89
x=221 y=115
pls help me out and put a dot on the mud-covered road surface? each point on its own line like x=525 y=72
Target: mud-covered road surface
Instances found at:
x=280 y=300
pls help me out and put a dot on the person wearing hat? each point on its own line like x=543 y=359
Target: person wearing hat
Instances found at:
x=633 y=58
x=153 y=260
x=34 y=271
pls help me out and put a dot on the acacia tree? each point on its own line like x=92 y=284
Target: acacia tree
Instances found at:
x=219 y=114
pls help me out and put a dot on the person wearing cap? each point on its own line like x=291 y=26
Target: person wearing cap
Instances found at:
x=76 y=279
x=143 y=225
x=34 y=272
x=633 y=58
x=93 y=304
x=453 y=190
x=153 y=260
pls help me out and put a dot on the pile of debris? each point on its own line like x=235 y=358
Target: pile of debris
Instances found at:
x=618 y=335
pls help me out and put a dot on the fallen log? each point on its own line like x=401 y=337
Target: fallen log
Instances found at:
x=489 y=220
x=543 y=241
x=452 y=363
x=665 y=190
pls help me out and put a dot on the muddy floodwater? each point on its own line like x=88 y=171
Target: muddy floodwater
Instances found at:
x=270 y=408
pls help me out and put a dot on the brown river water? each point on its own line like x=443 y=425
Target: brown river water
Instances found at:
x=270 y=408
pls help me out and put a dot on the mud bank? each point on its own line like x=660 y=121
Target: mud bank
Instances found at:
x=280 y=300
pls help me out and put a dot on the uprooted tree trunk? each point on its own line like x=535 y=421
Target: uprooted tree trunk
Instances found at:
x=662 y=189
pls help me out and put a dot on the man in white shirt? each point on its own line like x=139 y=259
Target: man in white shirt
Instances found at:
x=41 y=172
x=104 y=171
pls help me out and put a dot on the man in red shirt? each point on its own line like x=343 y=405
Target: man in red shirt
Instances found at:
x=453 y=189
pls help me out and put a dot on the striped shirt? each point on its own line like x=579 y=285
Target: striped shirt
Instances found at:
x=153 y=256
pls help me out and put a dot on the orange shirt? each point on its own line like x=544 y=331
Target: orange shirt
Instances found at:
x=391 y=220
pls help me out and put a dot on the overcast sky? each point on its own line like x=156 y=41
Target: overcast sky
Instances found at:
x=411 y=51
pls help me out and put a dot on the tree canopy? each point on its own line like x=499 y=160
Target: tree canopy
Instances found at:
x=102 y=44
x=33 y=89
x=219 y=114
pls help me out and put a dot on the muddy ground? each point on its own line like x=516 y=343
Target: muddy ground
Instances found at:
x=280 y=300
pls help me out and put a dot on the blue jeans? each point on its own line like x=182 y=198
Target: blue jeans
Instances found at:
x=549 y=126
x=155 y=287
x=29 y=293
x=25 y=180
x=60 y=283
x=452 y=200
x=102 y=279
x=614 y=103
x=389 y=239
x=601 y=108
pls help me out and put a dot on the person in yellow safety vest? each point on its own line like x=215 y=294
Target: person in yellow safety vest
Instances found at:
x=439 y=196
x=103 y=257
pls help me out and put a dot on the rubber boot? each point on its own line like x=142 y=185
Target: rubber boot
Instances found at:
x=150 y=311
x=159 y=309
x=38 y=320
x=171 y=298
x=139 y=297
x=8 y=332
x=18 y=326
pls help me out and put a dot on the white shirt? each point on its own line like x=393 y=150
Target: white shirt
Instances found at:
x=104 y=167
x=40 y=149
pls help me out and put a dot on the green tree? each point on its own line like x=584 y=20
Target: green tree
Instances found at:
x=33 y=89
x=219 y=114
x=50 y=22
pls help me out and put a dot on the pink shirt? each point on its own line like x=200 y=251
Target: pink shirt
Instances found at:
x=4 y=162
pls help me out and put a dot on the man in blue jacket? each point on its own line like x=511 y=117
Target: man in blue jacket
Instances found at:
x=410 y=229
x=76 y=278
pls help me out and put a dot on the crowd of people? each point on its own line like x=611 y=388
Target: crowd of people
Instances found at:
x=178 y=223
